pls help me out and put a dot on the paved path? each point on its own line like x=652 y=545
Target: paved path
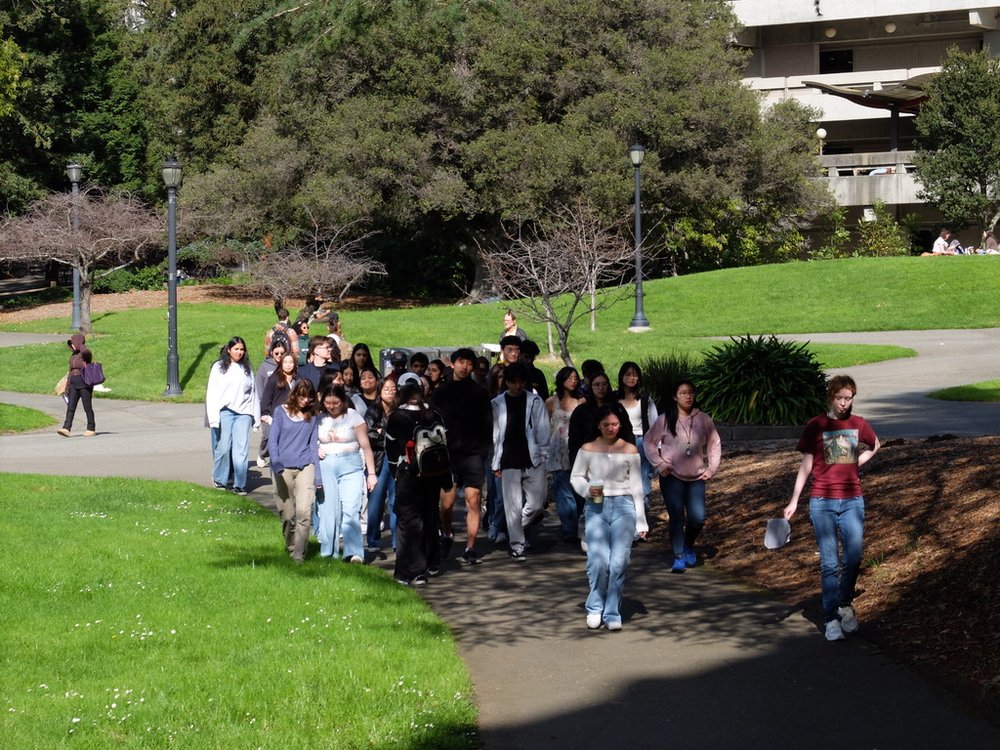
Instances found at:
x=893 y=395
x=702 y=662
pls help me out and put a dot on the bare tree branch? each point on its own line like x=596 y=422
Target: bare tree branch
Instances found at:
x=327 y=263
x=551 y=272
x=112 y=229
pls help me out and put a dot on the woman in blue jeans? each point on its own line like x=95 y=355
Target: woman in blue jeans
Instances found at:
x=384 y=494
x=347 y=468
x=834 y=446
x=608 y=473
x=684 y=448
x=232 y=406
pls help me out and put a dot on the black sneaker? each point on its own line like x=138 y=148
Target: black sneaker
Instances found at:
x=469 y=557
x=239 y=491
x=418 y=580
x=517 y=555
x=446 y=542
x=434 y=572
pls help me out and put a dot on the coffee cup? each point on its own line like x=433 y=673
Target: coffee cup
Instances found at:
x=597 y=484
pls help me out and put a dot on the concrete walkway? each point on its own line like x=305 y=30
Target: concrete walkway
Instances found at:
x=702 y=662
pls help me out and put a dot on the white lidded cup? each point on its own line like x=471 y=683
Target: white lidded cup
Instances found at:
x=597 y=497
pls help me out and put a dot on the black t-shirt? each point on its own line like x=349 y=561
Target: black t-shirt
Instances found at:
x=515 y=442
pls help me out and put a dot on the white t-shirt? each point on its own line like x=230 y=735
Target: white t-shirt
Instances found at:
x=339 y=434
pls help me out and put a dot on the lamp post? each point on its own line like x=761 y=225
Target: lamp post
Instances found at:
x=75 y=172
x=821 y=137
x=639 y=322
x=172 y=179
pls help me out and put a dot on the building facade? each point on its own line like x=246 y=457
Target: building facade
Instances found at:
x=860 y=64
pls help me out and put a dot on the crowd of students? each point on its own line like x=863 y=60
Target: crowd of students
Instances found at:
x=344 y=444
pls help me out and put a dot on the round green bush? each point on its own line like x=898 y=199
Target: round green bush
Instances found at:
x=761 y=381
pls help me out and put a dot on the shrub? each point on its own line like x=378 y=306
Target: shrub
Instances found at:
x=125 y=280
x=761 y=381
x=660 y=374
x=882 y=236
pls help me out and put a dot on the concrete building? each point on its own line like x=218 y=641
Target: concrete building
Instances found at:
x=861 y=64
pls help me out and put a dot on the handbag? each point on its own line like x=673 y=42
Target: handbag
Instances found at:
x=92 y=374
x=61 y=386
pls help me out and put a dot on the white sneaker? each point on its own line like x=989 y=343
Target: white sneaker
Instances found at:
x=833 y=631
x=848 y=620
x=593 y=620
x=615 y=625
x=261 y=462
x=101 y=388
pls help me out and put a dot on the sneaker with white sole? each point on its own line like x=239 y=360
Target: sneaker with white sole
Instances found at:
x=834 y=632
x=615 y=625
x=593 y=620
x=848 y=619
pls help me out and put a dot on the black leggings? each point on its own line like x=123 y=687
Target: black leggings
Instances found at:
x=78 y=391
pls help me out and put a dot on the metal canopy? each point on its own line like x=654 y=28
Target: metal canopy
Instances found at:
x=906 y=96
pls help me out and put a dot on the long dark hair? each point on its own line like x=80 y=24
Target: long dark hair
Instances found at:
x=626 y=366
x=362 y=347
x=412 y=394
x=303 y=387
x=592 y=399
x=672 y=411
x=226 y=359
x=561 y=377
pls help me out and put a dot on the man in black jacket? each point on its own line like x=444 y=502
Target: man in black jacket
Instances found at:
x=464 y=405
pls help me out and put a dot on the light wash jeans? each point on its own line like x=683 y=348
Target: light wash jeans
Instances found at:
x=233 y=441
x=383 y=494
x=685 y=503
x=838 y=576
x=562 y=490
x=340 y=512
x=610 y=528
x=647 y=471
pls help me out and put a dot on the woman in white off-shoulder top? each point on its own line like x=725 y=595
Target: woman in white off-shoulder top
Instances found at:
x=614 y=513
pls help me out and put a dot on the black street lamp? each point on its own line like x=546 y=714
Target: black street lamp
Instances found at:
x=639 y=322
x=75 y=173
x=172 y=179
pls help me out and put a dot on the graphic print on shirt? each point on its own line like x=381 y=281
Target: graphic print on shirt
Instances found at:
x=840 y=447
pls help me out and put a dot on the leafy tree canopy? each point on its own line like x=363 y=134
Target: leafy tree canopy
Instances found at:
x=958 y=146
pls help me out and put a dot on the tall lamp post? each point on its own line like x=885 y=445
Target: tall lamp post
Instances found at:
x=172 y=179
x=75 y=172
x=639 y=321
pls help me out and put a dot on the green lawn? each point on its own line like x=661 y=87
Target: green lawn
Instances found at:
x=860 y=294
x=21 y=419
x=155 y=615
x=988 y=390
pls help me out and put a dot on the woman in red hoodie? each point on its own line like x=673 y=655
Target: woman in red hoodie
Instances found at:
x=76 y=389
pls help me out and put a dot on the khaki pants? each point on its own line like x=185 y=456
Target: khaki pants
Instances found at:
x=296 y=493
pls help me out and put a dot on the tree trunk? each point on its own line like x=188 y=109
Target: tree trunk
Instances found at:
x=479 y=286
x=564 y=346
x=593 y=307
x=86 y=285
x=548 y=336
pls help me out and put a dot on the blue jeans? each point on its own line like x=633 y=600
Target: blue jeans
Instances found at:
x=562 y=490
x=838 y=576
x=496 y=520
x=340 y=512
x=647 y=470
x=685 y=503
x=383 y=494
x=610 y=528
x=233 y=442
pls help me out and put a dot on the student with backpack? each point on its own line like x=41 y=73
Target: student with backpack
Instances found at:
x=282 y=329
x=416 y=447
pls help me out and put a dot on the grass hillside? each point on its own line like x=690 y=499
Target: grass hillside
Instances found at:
x=860 y=294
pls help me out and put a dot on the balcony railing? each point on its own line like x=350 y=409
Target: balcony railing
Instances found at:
x=862 y=179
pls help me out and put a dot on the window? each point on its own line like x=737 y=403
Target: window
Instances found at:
x=836 y=61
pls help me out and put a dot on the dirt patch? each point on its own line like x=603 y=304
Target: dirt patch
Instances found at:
x=928 y=590
x=102 y=303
